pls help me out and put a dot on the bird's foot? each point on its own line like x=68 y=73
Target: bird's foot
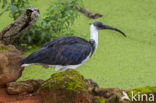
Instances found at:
x=45 y=66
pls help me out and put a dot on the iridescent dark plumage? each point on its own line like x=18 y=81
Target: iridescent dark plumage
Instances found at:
x=63 y=51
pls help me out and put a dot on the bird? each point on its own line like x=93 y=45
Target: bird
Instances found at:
x=67 y=52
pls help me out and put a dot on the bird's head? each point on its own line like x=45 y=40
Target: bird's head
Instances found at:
x=101 y=26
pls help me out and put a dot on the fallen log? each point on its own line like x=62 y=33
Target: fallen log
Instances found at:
x=20 y=25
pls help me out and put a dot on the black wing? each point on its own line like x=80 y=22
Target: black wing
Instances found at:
x=62 y=51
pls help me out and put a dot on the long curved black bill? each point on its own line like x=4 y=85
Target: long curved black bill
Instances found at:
x=115 y=29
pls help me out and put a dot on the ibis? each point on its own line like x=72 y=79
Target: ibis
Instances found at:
x=67 y=52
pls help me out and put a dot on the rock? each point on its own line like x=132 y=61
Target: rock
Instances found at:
x=98 y=100
x=148 y=92
x=91 y=85
x=71 y=87
x=10 y=69
x=23 y=87
x=65 y=87
x=109 y=95
x=6 y=98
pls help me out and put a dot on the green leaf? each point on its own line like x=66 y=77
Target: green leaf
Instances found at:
x=13 y=9
x=12 y=1
x=4 y=3
x=57 y=21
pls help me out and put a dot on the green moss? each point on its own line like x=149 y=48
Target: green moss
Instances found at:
x=3 y=48
x=99 y=100
x=69 y=80
x=145 y=90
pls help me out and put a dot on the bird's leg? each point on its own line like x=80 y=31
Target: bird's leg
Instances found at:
x=45 y=66
x=58 y=68
x=64 y=69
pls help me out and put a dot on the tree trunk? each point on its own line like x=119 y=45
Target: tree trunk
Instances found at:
x=20 y=25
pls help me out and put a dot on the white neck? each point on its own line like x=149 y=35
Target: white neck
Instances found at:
x=94 y=34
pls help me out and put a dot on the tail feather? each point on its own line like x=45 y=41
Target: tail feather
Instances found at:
x=25 y=65
x=23 y=61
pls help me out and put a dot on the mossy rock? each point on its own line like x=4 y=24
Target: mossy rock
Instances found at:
x=69 y=80
x=145 y=90
x=65 y=87
x=2 y=48
x=99 y=100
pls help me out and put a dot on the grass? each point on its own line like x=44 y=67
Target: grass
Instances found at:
x=118 y=62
